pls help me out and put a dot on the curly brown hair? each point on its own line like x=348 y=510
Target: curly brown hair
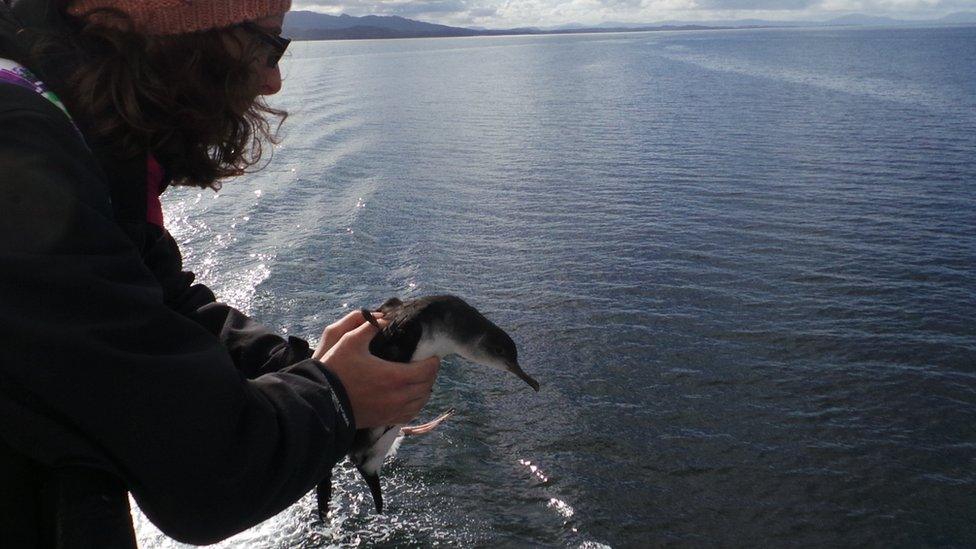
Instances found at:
x=191 y=100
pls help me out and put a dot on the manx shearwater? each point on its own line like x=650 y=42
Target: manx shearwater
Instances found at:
x=418 y=329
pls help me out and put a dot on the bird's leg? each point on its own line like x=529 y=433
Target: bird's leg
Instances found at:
x=412 y=430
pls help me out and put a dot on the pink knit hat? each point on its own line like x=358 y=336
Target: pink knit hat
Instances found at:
x=159 y=17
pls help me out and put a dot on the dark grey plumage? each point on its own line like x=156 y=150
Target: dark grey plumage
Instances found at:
x=418 y=329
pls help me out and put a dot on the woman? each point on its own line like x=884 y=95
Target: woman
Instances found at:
x=118 y=373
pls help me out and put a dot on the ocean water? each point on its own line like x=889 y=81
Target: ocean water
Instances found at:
x=740 y=263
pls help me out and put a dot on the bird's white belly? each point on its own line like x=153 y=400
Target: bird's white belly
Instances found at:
x=434 y=345
x=387 y=444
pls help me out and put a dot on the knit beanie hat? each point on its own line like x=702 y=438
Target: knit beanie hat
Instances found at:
x=161 y=17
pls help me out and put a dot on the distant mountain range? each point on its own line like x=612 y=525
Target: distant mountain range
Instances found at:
x=959 y=18
x=307 y=25
x=310 y=25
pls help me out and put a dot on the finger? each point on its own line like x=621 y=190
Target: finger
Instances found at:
x=416 y=395
x=422 y=372
x=342 y=326
x=333 y=332
x=405 y=418
x=365 y=331
x=352 y=320
x=409 y=411
x=414 y=406
x=370 y=317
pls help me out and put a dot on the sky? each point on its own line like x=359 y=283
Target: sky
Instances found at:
x=545 y=13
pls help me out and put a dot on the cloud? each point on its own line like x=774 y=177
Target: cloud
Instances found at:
x=545 y=13
x=483 y=12
x=381 y=7
x=757 y=4
x=625 y=4
x=436 y=6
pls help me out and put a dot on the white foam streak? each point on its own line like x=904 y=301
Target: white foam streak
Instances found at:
x=880 y=88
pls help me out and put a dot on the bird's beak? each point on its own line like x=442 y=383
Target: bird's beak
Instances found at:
x=517 y=370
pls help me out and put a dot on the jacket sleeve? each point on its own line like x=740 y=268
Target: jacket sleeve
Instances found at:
x=98 y=371
x=255 y=349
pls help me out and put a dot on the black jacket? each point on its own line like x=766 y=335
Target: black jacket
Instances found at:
x=117 y=373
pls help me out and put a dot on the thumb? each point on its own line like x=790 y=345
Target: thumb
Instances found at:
x=423 y=371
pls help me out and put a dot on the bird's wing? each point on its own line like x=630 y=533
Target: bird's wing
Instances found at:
x=398 y=341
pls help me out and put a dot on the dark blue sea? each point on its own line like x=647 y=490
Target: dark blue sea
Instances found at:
x=742 y=265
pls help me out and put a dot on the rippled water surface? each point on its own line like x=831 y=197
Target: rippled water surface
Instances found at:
x=741 y=264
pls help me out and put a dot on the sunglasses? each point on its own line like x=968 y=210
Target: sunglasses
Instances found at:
x=277 y=43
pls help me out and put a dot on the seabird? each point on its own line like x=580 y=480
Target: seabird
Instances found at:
x=418 y=329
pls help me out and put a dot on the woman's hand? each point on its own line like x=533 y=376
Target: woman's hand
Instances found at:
x=334 y=331
x=381 y=392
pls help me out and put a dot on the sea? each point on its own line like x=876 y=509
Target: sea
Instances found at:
x=741 y=264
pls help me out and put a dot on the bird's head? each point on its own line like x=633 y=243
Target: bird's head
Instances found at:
x=495 y=348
